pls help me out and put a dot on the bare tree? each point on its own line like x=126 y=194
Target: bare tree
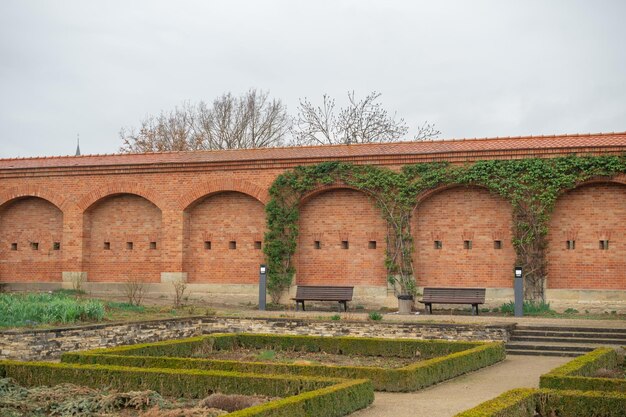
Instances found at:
x=252 y=120
x=362 y=121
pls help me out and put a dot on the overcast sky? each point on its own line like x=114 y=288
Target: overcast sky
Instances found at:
x=474 y=68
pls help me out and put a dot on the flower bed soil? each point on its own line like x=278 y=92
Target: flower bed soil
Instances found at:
x=308 y=358
x=74 y=400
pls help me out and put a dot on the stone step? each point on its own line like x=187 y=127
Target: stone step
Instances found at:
x=542 y=339
x=543 y=353
x=573 y=329
x=569 y=334
x=551 y=347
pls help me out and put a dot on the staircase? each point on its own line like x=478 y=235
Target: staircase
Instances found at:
x=562 y=341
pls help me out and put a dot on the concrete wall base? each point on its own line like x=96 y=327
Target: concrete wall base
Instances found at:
x=173 y=277
x=593 y=301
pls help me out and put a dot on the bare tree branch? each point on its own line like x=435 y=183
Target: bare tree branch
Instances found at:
x=361 y=121
x=252 y=120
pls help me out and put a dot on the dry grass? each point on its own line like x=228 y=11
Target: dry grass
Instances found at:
x=230 y=403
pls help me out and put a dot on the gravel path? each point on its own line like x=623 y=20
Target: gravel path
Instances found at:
x=466 y=391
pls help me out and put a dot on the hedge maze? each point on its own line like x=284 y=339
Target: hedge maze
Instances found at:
x=301 y=396
x=570 y=390
x=184 y=369
x=435 y=360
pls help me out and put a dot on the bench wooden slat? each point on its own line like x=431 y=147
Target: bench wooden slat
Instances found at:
x=323 y=293
x=473 y=296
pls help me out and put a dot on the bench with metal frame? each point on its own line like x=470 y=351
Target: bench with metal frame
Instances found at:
x=473 y=296
x=323 y=293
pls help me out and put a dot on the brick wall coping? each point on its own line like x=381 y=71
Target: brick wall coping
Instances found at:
x=213 y=319
x=399 y=153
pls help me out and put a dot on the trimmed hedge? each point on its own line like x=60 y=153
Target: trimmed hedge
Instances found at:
x=577 y=373
x=465 y=357
x=306 y=396
x=526 y=402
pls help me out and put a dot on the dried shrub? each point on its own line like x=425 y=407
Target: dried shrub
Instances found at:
x=179 y=292
x=183 y=412
x=134 y=291
x=608 y=373
x=230 y=403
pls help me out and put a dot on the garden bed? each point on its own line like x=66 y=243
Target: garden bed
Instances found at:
x=550 y=403
x=300 y=396
x=242 y=354
x=74 y=400
x=430 y=361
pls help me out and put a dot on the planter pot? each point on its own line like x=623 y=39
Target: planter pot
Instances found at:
x=405 y=304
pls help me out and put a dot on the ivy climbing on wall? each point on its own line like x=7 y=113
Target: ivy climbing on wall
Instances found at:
x=532 y=187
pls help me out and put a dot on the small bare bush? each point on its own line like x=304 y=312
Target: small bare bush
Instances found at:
x=608 y=373
x=134 y=291
x=179 y=292
x=230 y=403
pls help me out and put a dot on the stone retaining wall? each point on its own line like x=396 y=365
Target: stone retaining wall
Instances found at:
x=46 y=344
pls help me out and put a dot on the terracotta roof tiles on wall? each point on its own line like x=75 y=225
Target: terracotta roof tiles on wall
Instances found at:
x=556 y=142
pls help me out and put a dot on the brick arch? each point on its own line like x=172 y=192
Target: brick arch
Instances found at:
x=330 y=187
x=33 y=191
x=425 y=195
x=618 y=179
x=592 y=211
x=452 y=214
x=120 y=188
x=331 y=215
x=217 y=186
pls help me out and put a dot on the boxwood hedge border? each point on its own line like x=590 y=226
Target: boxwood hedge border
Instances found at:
x=456 y=357
x=305 y=396
x=524 y=402
x=577 y=373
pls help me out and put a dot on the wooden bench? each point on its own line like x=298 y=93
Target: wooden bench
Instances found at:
x=323 y=293
x=473 y=296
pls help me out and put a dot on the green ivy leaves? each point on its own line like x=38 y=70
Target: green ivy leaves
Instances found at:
x=532 y=187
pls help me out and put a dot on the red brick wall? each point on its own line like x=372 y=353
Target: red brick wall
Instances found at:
x=221 y=219
x=25 y=221
x=120 y=219
x=330 y=218
x=587 y=215
x=453 y=216
x=91 y=210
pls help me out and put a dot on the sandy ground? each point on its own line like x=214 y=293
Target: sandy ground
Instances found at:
x=466 y=391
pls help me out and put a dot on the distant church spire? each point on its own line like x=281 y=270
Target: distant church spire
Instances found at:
x=78 y=144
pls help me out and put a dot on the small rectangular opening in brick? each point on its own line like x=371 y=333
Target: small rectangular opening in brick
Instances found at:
x=467 y=244
x=570 y=245
x=438 y=244
x=345 y=244
x=153 y=245
x=56 y=246
x=317 y=244
x=34 y=245
x=257 y=244
x=107 y=246
x=232 y=244
x=371 y=244
x=13 y=246
x=497 y=244
x=604 y=245
x=129 y=245
x=207 y=244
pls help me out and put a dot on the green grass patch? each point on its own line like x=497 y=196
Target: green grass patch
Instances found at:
x=550 y=403
x=531 y=308
x=435 y=360
x=45 y=308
